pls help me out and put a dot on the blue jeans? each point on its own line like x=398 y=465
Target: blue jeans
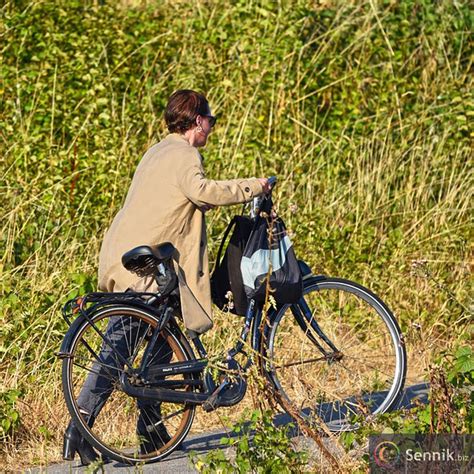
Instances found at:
x=125 y=333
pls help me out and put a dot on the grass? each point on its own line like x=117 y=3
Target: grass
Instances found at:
x=362 y=109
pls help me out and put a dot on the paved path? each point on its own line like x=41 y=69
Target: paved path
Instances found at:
x=178 y=462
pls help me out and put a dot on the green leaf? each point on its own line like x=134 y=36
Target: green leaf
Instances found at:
x=465 y=365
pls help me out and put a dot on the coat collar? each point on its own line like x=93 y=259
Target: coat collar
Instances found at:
x=177 y=137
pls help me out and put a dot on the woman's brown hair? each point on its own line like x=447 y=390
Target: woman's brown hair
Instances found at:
x=183 y=107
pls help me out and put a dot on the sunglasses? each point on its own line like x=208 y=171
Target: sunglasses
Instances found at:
x=212 y=119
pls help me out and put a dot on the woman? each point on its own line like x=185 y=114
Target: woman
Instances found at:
x=166 y=202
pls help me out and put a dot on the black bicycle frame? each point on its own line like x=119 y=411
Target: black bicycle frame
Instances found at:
x=153 y=383
x=161 y=390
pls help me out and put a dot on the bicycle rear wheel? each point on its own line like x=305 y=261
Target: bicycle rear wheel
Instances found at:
x=122 y=427
x=361 y=375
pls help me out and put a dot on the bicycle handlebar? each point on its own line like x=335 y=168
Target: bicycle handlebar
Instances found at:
x=255 y=204
x=272 y=180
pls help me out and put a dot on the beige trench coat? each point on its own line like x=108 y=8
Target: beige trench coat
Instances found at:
x=163 y=205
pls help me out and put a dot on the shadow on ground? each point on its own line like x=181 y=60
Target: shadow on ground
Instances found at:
x=178 y=461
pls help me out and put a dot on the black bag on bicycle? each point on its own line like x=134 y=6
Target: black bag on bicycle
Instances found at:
x=226 y=275
x=269 y=257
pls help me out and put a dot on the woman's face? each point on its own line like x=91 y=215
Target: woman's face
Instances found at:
x=204 y=125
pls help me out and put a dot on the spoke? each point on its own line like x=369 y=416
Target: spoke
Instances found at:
x=342 y=339
x=338 y=399
x=157 y=351
x=341 y=319
x=171 y=418
x=335 y=405
x=139 y=344
x=326 y=391
x=124 y=332
x=177 y=412
x=90 y=350
x=330 y=406
x=112 y=378
x=360 y=343
x=136 y=345
x=99 y=362
x=369 y=357
x=98 y=393
x=308 y=361
x=322 y=385
x=391 y=376
x=148 y=435
x=342 y=343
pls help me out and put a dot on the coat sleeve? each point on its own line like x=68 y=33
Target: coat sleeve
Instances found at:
x=201 y=191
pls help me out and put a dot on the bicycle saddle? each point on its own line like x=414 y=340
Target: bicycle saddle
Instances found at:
x=144 y=259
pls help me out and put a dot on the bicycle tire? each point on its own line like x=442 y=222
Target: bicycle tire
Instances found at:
x=339 y=392
x=117 y=429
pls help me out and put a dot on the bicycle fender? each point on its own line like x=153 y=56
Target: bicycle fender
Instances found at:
x=64 y=350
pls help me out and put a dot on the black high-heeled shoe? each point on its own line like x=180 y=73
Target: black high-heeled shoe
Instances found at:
x=74 y=443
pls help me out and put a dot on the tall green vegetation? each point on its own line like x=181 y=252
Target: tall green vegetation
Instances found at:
x=362 y=109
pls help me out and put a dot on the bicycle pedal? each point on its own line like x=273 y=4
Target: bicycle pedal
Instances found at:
x=212 y=402
x=209 y=405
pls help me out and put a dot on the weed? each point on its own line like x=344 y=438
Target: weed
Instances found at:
x=259 y=447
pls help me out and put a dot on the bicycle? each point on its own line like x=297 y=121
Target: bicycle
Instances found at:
x=337 y=355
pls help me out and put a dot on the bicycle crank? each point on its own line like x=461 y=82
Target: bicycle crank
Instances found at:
x=230 y=391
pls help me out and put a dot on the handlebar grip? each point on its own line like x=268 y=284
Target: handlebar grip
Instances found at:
x=272 y=181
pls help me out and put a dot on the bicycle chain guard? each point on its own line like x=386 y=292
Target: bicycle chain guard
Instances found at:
x=231 y=389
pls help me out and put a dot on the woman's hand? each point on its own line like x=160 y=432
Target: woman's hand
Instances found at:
x=207 y=207
x=265 y=185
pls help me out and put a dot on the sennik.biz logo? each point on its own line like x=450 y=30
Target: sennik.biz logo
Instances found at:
x=386 y=454
x=419 y=453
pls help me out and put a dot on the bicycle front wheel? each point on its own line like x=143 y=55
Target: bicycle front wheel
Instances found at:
x=124 y=428
x=338 y=354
